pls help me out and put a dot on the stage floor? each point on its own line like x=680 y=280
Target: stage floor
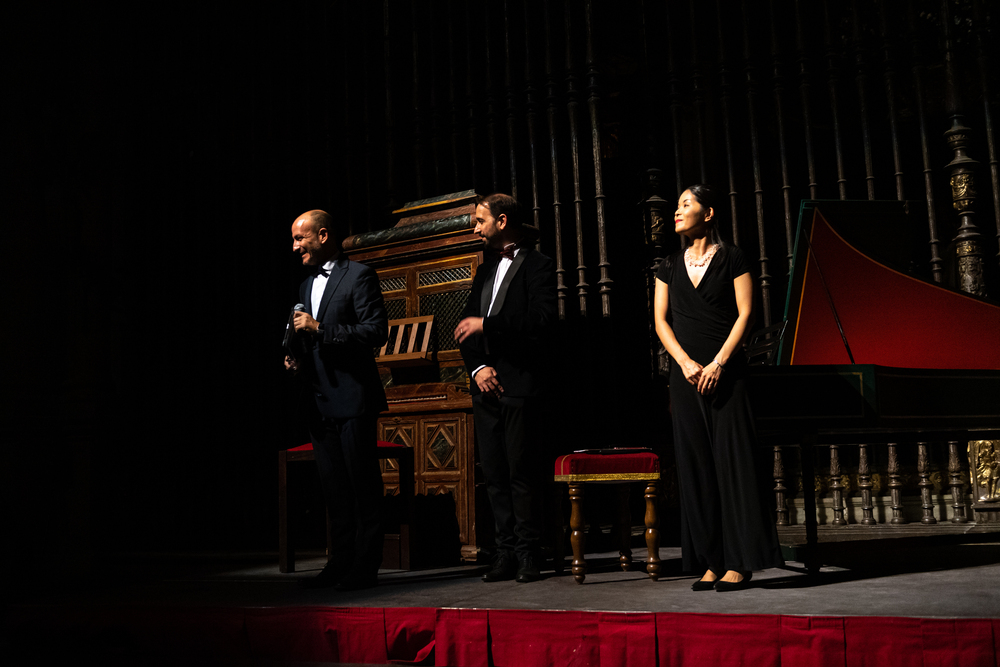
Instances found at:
x=956 y=580
x=906 y=603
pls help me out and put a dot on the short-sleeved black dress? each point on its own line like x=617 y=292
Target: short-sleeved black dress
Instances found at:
x=725 y=524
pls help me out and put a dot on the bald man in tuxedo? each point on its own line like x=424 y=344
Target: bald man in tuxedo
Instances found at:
x=343 y=321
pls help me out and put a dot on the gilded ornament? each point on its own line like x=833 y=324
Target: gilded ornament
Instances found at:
x=970 y=268
x=656 y=227
x=876 y=481
x=985 y=455
x=966 y=248
x=963 y=190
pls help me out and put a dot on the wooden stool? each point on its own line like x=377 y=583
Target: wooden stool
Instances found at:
x=610 y=466
x=396 y=547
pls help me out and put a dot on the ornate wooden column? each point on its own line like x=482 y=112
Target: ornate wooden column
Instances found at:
x=803 y=61
x=833 y=73
x=925 y=484
x=724 y=88
x=572 y=103
x=889 y=77
x=860 y=78
x=836 y=487
x=957 y=484
x=551 y=99
x=781 y=510
x=985 y=63
x=604 y=281
x=656 y=211
x=865 y=485
x=895 y=487
x=748 y=65
x=961 y=172
x=779 y=110
x=918 y=91
x=655 y=208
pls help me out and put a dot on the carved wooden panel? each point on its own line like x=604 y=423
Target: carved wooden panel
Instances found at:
x=443 y=464
x=443 y=457
x=398 y=431
x=442 y=439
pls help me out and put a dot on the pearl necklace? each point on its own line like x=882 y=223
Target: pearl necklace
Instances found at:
x=701 y=261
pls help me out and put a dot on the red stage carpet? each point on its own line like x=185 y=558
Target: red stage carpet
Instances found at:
x=521 y=638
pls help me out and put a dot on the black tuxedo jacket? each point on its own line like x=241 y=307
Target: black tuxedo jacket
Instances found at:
x=518 y=334
x=341 y=363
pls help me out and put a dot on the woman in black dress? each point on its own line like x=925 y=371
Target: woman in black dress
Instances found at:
x=703 y=311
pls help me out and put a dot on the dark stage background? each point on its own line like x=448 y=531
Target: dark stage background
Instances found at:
x=158 y=154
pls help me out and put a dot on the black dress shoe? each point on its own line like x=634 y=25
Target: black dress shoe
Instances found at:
x=724 y=586
x=504 y=568
x=527 y=570
x=328 y=578
x=702 y=585
x=331 y=575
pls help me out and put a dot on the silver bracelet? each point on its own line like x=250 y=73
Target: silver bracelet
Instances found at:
x=721 y=367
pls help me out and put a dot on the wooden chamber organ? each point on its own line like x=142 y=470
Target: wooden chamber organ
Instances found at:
x=426 y=264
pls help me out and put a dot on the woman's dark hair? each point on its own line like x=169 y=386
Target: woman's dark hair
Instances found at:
x=703 y=195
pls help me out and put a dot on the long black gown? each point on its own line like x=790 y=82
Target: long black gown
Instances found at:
x=725 y=524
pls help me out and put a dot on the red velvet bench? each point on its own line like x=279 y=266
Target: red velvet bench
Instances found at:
x=396 y=547
x=611 y=466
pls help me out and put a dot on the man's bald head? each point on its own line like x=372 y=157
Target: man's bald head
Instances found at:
x=316 y=237
x=322 y=220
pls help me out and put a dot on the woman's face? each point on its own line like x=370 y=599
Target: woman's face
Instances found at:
x=691 y=218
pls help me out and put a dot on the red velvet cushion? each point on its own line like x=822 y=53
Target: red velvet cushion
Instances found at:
x=308 y=446
x=607 y=467
x=393 y=445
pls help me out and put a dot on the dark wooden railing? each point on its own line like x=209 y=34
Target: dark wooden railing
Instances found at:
x=881 y=489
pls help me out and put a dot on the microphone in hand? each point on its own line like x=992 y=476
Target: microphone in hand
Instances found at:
x=290 y=327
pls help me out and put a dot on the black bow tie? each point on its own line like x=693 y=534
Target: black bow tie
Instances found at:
x=320 y=271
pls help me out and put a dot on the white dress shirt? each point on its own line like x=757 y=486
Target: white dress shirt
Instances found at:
x=497 y=279
x=501 y=272
x=319 y=285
